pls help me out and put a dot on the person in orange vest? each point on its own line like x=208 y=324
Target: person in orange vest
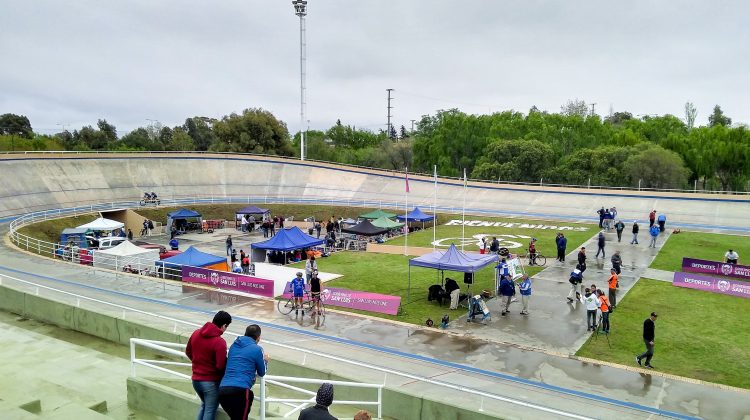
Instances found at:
x=613 y=286
x=604 y=307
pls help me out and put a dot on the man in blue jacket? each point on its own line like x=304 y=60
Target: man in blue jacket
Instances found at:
x=562 y=244
x=654 y=231
x=246 y=361
x=507 y=290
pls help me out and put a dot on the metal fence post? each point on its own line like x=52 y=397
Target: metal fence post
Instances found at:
x=262 y=398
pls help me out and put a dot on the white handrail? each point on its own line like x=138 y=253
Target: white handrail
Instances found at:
x=281 y=381
x=306 y=351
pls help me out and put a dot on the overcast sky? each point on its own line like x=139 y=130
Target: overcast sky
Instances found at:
x=73 y=62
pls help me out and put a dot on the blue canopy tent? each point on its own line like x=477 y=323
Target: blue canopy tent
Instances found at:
x=416 y=215
x=191 y=257
x=179 y=217
x=284 y=240
x=451 y=260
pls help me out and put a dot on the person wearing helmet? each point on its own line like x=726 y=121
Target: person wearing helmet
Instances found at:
x=297 y=287
x=532 y=252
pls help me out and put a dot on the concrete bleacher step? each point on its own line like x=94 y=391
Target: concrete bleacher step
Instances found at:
x=72 y=411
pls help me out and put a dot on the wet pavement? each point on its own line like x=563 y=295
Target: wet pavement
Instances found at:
x=468 y=359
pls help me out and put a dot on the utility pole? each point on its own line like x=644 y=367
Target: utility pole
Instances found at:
x=412 y=125
x=388 y=126
x=593 y=108
x=300 y=9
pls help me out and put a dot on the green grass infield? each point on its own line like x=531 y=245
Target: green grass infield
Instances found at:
x=699 y=334
x=705 y=246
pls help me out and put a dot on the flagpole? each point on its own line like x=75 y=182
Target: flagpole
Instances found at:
x=406 y=213
x=434 y=212
x=463 y=215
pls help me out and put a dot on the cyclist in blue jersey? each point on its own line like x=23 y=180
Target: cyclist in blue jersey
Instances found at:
x=297 y=287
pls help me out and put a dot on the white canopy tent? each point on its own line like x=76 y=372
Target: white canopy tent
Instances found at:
x=102 y=224
x=126 y=254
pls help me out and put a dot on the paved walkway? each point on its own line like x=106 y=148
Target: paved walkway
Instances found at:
x=467 y=360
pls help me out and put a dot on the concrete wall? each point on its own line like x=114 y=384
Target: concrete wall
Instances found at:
x=171 y=404
x=53 y=181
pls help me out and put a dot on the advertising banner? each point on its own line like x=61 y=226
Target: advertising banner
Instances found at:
x=712 y=284
x=228 y=281
x=353 y=299
x=692 y=265
x=514 y=268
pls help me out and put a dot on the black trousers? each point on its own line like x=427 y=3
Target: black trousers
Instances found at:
x=561 y=254
x=236 y=401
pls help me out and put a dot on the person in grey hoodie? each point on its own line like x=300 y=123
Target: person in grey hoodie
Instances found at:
x=245 y=361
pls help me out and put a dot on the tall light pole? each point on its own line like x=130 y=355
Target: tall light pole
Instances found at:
x=300 y=9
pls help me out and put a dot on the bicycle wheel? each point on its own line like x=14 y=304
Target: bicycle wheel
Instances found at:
x=541 y=259
x=308 y=304
x=285 y=306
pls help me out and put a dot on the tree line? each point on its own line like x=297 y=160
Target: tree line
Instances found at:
x=574 y=146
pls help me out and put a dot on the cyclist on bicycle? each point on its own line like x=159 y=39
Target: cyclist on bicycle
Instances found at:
x=315 y=291
x=532 y=252
x=297 y=287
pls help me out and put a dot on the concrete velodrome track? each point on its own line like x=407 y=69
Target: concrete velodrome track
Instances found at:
x=54 y=181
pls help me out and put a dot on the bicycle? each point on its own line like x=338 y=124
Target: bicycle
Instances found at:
x=539 y=259
x=286 y=306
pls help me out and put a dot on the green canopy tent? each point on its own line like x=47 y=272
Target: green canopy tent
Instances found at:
x=386 y=223
x=377 y=214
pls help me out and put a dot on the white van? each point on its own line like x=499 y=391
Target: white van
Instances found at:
x=106 y=242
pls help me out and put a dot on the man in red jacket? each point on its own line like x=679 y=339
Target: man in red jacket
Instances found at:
x=208 y=352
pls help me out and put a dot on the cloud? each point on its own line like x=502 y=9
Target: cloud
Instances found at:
x=168 y=60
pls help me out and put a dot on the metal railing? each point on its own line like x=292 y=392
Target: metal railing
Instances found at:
x=307 y=161
x=177 y=350
x=122 y=310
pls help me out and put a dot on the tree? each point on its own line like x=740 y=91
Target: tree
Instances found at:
x=18 y=125
x=656 y=167
x=514 y=160
x=690 y=113
x=403 y=133
x=180 y=140
x=107 y=130
x=392 y=133
x=619 y=117
x=718 y=118
x=199 y=129
x=575 y=107
x=254 y=131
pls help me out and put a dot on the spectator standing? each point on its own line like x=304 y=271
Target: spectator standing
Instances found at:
x=251 y=224
x=130 y=235
x=731 y=257
x=310 y=266
x=619 y=227
x=562 y=244
x=582 y=259
x=245 y=362
x=651 y=218
x=483 y=249
x=600 y=212
x=654 y=231
x=208 y=353
x=494 y=245
x=525 y=289
x=600 y=241
x=608 y=219
x=662 y=220
x=243 y=224
x=507 y=290
x=228 y=243
x=604 y=308
x=616 y=262
x=613 y=284
x=246 y=264
x=636 y=228
x=591 y=301
x=272 y=225
x=318 y=228
x=452 y=288
x=649 y=335
x=323 y=400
